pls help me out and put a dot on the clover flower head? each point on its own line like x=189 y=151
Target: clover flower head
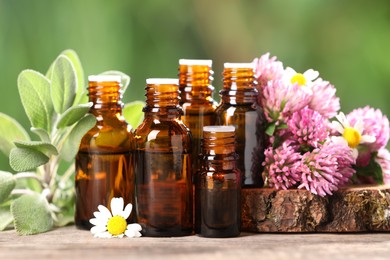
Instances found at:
x=113 y=224
x=324 y=99
x=268 y=69
x=327 y=168
x=351 y=134
x=383 y=158
x=281 y=166
x=308 y=127
x=280 y=101
x=375 y=124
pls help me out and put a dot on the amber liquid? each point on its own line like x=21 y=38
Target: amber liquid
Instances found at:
x=195 y=120
x=164 y=193
x=100 y=177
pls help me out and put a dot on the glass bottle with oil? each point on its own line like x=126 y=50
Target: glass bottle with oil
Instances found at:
x=195 y=78
x=163 y=167
x=239 y=108
x=104 y=161
x=218 y=185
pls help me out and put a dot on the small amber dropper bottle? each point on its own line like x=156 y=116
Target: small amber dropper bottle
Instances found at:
x=104 y=161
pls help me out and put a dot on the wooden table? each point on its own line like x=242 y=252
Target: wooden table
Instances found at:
x=70 y=243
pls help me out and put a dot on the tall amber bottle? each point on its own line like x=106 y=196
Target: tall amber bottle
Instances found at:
x=104 y=162
x=239 y=107
x=163 y=166
x=195 y=77
x=218 y=185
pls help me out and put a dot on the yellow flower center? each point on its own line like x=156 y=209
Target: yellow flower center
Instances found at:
x=352 y=136
x=298 y=78
x=116 y=225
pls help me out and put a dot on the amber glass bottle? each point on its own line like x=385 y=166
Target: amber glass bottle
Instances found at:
x=195 y=77
x=104 y=163
x=218 y=185
x=239 y=107
x=163 y=166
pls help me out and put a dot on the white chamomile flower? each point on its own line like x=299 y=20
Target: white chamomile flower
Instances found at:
x=351 y=135
x=107 y=225
x=304 y=80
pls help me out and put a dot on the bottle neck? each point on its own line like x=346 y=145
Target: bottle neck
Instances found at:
x=162 y=101
x=219 y=151
x=106 y=97
x=195 y=83
x=239 y=86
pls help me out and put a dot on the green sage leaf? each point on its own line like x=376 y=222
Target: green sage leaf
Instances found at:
x=73 y=114
x=63 y=84
x=373 y=169
x=26 y=159
x=71 y=146
x=7 y=184
x=133 y=114
x=80 y=90
x=10 y=131
x=42 y=133
x=6 y=217
x=34 y=91
x=46 y=148
x=125 y=79
x=31 y=214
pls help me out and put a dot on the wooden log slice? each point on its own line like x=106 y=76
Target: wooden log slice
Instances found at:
x=355 y=209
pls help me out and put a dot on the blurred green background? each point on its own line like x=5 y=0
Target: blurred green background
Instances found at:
x=348 y=42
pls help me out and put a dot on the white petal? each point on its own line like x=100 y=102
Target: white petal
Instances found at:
x=117 y=206
x=134 y=226
x=104 y=211
x=119 y=236
x=290 y=72
x=130 y=233
x=98 y=229
x=339 y=140
x=126 y=213
x=355 y=153
x=359 y=125
x=95 y=221
x=103 y=235
x=311 y=74
x=343 y=120
x=367 y=139
x=338 y=127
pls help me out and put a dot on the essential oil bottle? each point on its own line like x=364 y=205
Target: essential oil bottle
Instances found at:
x=239 y=108
x=195 y=78
x=104 y=161
x=163 y=167
x=218 y=185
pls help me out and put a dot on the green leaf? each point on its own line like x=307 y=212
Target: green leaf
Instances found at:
x=72 y=144
x=46 y=148
x=31 y=214
x=63 y=84
x=26 y=159
x=7 y=184
x=373 y=169
x=5 y=217
x=270 y=129
x=80 y=90
x=73 y=114
x=133 y=114
x=125 y=79
x=34 y=91
x=10 y=131
x=42 y=133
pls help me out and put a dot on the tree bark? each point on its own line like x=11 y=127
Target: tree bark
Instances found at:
x=354 y=209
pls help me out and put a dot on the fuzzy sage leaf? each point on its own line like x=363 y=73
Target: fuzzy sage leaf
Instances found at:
x=46 y=148
x=42 y=133
x=34 y=91
x=63 y=84
x=7 y=184
x=6 y=217
x=31 y=214
x=133 y=114
x=73 y=114
x=71 y=147
x=10 y=131
x=26 y=159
